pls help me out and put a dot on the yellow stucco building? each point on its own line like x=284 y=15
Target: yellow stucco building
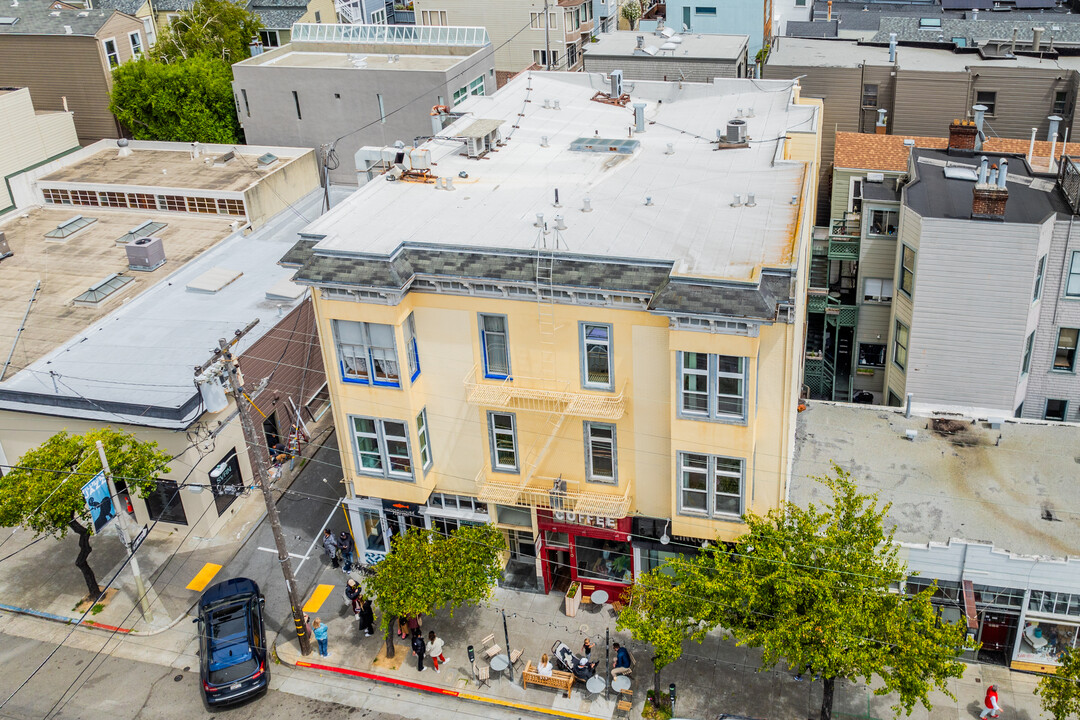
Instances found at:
x=575 y=316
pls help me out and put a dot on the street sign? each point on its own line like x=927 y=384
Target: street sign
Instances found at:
x=137 y=541
x=98 y=499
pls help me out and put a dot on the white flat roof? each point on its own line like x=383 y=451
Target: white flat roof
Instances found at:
x=341 y=60
x=624 y=42
x=145 y=351
x=689 y=219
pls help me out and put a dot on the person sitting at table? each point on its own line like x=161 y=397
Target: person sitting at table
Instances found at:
x=621 y=664
x=544 y=668
x=584 y=669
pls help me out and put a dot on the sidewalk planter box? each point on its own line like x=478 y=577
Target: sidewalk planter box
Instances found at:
x=573 y=599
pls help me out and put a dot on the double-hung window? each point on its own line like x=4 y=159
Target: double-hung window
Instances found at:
x=900 y=345
x=1065 y=354
x=600 y=459
x=710 y=485
x=366 y=353
x=502 y=431
x=907 y=270
x=1072 y=283
x=1025 y=367
x=1039 y=271
x=135 y=39
x=111 y=53
x=712 y=386
x=877 y=290
x=425 y=441
x=412 y=350
x=495 y=347
x=382 y=448
x=596 y=359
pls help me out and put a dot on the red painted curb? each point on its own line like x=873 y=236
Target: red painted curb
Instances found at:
x=380 y=678
x=103 y=626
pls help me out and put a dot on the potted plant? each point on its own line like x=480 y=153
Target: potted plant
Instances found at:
x=573 y=598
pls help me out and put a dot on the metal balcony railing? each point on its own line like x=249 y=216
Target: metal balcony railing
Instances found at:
x=543 y=396
x=491 y=489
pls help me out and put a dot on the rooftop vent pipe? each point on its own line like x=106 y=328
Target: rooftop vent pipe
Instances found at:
x=640 y=42
x=984 y=169
x=892 y=48
x=1055 y=122
x=1003 y=173
x=543 y=141
x=586 y=205
x=738 y=201
x=555 y=103
x=750 y=200
x=559 y=223
x=639 y=117
x=980 y=120
x=124 y=151
x=1036 y=39
x=670 y=149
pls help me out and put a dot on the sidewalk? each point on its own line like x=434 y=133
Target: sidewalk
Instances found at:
x=712 y=678
x=40 y=577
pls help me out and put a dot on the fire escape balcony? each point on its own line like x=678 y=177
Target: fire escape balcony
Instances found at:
x=539 y=494
x=541 y=396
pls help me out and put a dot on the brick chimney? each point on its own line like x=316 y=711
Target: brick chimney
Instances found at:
x=962 y=134
x=990 y=193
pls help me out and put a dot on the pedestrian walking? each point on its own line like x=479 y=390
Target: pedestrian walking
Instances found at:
x=345 y=545
x=992 y=709
x=321 y=636
x=367 y=617
x=352 y=596
x=418 y=649
x=331 y=547
x=435 y=649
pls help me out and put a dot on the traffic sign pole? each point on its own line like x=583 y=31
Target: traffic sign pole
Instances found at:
x=122 y=519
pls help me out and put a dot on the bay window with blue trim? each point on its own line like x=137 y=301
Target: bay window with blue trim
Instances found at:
x=412 y=350
x=495 y=346
x=367 y=353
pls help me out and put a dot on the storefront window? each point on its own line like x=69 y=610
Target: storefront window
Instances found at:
x=372 y=531
x=652 y=559
x=608 y=560
x=1043 y=641
x=557 y=539
x=514 y=516
x=990 y=595
x=946 y=589
x=446 y=525
x=1054 y=602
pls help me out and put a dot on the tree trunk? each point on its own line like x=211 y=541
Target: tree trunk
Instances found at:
x=656 y=683
x=390 y=638
x=827 y=697
x=92 y=587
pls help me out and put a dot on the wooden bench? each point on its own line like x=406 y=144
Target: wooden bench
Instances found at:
x=559 y=680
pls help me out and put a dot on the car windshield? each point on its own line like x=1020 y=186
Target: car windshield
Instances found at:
x=228 y=644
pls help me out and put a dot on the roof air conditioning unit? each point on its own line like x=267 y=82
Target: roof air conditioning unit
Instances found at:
x=616 y=83
x=736 y=131
x=875 y=177
x=145 y=254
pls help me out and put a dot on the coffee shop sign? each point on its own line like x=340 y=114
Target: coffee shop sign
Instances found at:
x=590 y=520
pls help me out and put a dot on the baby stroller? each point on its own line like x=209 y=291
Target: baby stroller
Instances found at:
x=564 y=655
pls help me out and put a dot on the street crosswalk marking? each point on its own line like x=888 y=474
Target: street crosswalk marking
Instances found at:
x=318 y=598
x=203 y=577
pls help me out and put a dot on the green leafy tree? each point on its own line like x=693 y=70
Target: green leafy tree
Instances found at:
x=631 y=12
x=218 y=29
x=1059 y=693
x=186 y=101
x=44 y=493
x=427 y=571
x=810 y=587
x=660 y=614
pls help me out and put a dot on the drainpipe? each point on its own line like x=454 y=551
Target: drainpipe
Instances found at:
x=1031 y=148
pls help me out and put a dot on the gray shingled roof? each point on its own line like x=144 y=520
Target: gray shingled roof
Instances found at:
x=1064 y=28
x=814 y=29
x=35 y=18
x=279 y=18
x=679 y=295
x=129 y=7
x=871 y=15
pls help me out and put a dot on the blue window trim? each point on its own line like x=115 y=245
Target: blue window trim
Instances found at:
x=415 y=350
x=409 y=331
x=347 y=379
x=483 y=347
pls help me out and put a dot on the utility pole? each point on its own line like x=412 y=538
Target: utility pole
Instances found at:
x=121 y=530
x=225 y=356
x=547 y=40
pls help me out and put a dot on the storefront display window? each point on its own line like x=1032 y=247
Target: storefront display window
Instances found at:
x=608 y=560
x=945 y=590
x=652 y=559
x=447 y=525
x=371 y=530
x=1056 y=603
x=1044 y=641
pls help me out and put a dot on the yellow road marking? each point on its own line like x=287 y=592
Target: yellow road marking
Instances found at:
x=203 y=578
x=318 y=598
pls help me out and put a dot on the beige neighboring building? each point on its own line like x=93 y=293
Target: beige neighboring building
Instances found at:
x=517 y=30
x=29 y=138
x=66 y=57
x=115 y=325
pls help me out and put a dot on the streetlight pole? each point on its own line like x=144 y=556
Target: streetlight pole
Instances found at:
x=262 y=473
x=121 y=530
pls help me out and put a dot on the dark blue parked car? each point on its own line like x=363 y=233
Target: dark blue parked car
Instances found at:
x=232 y=642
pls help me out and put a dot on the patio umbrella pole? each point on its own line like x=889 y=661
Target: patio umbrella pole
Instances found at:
x=506 y=636
x=607 y=660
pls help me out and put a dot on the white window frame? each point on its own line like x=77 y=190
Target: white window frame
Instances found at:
x=113 y=58
x=591 y=440
x=712 y=471
x=476 y=87
x=325 y=406
x=539 y=58
x=877 y=290
x=412 y=350
x=713 y=375
x=1072 y=276
x=493 y=433
x=426 y=15
x=383 y=437
x=149 y=31
x=584 y=343
x=378 y=17
x=852 y=184
x=423 y=436
x=869 y=215
x=371 y=355
x=536 y=20
x=135 y=40
x=1040 y=272
x=484 y=342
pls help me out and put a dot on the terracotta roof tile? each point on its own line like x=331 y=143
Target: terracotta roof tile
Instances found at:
x=864 y=151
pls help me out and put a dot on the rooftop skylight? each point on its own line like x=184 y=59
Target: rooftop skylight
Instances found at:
x=147 y=229
x=69 y=227
x=98 y=293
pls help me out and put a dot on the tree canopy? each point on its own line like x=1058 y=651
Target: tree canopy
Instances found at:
x=427 y=571
x=1059 y=694
x=811 y=587
x=219 y=29
x=44 y=491
x=186 y=101
x=631 y=12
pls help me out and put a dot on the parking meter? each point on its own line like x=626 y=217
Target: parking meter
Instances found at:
x=671 y=691
x=472 y=655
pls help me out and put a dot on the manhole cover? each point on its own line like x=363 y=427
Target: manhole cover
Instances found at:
x=177 y=678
